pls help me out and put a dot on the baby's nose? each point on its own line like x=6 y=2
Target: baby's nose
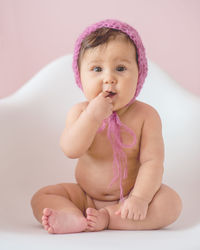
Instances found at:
x=109 y=79
x=109 y=86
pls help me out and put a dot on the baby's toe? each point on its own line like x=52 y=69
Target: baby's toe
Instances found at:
x=47 y=212
x=90 y=228
x=91 y=218
x=91 y=223
x=46 y=227
x=50 y=230
x=91 y=211
x=44 y=222
x=44 y=217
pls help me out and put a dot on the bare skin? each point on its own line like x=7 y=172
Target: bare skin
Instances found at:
x=90 y=205
x=52 y=221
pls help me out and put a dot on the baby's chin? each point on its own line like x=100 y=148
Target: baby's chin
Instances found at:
x=121 y=108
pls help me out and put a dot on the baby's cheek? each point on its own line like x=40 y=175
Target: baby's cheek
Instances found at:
x=129 y=91
x=95 y=91
x=92 y=94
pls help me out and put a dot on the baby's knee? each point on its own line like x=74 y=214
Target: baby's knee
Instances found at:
x=176 y=205
x=36 y=196
x=172 y=205
x=47 y=190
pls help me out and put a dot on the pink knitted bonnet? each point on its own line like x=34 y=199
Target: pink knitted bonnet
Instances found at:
x=114 y=125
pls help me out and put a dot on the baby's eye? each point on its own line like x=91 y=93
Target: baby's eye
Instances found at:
x=121 y=68
x=97 y=69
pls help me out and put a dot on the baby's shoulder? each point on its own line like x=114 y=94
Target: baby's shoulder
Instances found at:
x=145 y=110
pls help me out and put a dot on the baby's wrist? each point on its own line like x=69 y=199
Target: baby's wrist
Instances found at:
x=91 y=115
x=132 y=195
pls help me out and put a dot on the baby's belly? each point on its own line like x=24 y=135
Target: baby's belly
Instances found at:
x=95 y=177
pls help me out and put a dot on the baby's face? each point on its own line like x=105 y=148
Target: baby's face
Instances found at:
x=110 y=67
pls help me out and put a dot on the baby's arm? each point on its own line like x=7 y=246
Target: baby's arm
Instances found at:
x=82 y=123
x=150 y=173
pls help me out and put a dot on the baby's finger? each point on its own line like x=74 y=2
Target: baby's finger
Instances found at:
x=142 y=216
x=130 y=215
x=104 y=94
x=124 y=213
x=136 y=216
x=109 y=99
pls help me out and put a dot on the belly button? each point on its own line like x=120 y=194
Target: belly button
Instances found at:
x=106 y=194
x=109 y=195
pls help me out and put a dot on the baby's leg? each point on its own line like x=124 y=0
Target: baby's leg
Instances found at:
x=61 y=208
x=163 y=210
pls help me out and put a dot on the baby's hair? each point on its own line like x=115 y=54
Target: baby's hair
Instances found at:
x=99 y=37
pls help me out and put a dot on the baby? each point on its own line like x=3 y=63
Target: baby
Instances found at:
x=117 y=139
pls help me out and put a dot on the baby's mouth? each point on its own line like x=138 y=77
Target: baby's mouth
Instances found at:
x=110 y=94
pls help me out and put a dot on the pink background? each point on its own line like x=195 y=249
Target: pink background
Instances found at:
x=35 y=32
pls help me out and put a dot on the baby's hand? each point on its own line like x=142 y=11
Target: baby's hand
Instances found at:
x=100 y=107
x=133 y=208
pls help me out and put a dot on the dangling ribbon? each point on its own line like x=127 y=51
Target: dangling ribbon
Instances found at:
x=119 y=156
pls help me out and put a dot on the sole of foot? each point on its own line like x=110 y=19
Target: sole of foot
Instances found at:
x=62 y=222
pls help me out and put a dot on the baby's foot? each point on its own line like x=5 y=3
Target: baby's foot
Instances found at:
x=97 y=219
x=61 y=222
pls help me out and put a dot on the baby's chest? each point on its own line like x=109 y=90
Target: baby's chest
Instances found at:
x=102 y=146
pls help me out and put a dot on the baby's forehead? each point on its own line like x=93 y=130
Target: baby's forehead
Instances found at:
x=119 y=48
x=115 y=39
